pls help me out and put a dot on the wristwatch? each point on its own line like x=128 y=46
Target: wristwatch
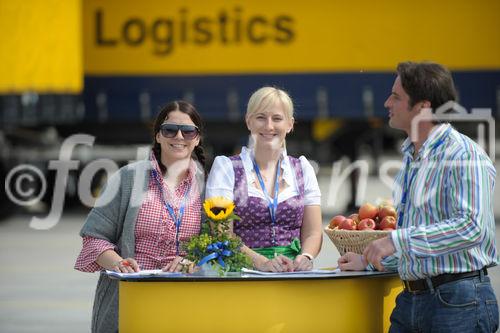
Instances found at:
x=307 y=255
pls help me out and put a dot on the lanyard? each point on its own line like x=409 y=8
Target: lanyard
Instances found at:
x=407 y=184
x=404 y=197
x=272 y=203
x=177 y=218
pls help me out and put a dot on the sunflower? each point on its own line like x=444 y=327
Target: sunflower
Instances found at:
x=218 y=208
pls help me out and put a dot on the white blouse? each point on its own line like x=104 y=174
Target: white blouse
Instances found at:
x=221 y=179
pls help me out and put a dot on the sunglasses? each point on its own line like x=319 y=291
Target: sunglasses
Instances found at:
x=189 y=132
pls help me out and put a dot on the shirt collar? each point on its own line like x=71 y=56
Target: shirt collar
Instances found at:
x=437 y=134
x=154 y=163
x=247 y=158
x=435 y=138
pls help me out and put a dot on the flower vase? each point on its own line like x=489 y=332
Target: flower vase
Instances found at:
x=212 y=269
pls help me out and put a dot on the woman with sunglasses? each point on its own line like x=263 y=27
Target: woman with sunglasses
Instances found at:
x=149 y=208
x=276 y=195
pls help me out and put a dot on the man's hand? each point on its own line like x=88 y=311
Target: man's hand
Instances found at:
x=377 y=250
x=352 y=262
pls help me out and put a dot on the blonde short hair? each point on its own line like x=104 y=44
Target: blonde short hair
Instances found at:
x=266 y=96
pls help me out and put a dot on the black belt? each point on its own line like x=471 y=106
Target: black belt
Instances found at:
x=421 y=285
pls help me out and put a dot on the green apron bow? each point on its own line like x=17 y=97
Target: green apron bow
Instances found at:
x=290 y=251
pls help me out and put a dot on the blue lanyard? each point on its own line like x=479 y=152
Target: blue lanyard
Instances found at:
x=177 y=218
x=407 y=184
x=272 y=203
x=405 y=189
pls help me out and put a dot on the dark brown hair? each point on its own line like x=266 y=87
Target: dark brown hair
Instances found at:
x=188 y=109
x=427 y=81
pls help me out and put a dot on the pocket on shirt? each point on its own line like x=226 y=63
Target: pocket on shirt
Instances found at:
x=457 y=294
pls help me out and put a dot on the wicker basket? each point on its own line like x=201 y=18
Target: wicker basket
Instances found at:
x=353 y=240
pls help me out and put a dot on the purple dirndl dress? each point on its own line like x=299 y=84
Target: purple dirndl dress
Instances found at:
x=256 y=227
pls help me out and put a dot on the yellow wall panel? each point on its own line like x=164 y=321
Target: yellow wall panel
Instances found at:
x=261 y=36
x=41 y=46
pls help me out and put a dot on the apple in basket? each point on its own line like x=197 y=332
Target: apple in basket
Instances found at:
x=348 y=224
x=336 y=221
x=354 y=217
x=386 y=211
x=366 y=224
x=368 y=211
x=388 y=222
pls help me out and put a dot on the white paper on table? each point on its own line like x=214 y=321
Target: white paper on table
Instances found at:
x=144 y=273
x=314 y=271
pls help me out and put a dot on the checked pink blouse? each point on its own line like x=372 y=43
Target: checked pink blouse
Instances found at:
x=155 y=230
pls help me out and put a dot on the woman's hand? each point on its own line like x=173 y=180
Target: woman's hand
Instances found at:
x=352 y=262
x=128 y=265
x=112 y=261
x=278 y=264
x=302 y=263
x=179 y=264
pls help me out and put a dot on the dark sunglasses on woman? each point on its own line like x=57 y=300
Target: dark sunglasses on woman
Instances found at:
x=189 y=132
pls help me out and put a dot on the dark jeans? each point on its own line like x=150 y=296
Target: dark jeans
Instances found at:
x=462 y=306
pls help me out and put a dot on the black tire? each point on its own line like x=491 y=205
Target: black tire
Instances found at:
x=6 y=205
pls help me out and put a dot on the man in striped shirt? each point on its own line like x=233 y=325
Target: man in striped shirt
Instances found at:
x=445 y=238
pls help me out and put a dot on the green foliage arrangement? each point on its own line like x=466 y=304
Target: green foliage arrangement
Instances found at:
x=216 y=245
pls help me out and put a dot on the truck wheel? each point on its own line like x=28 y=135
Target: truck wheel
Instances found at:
x=6 y=206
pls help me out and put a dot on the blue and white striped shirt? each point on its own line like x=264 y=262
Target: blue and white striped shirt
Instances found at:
x=444 y=198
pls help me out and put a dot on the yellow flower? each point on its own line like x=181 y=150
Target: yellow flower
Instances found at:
x=218 y=208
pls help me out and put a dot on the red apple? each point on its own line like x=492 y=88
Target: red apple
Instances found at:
x=336 y=220
x=388 y=222
x=354 y=217
x=366 y=224
x=386 y=211
x=367 y=211
x=348 y=224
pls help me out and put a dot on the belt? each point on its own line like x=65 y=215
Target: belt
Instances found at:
x=422 y=285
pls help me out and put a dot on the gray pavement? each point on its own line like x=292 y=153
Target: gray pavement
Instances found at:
x=40 y=291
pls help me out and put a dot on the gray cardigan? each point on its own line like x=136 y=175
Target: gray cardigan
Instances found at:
x=113 y=219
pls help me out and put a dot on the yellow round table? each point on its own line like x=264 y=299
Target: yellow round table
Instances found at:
x=342 y=302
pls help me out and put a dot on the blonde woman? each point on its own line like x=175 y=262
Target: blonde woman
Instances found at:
x=276 y=195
